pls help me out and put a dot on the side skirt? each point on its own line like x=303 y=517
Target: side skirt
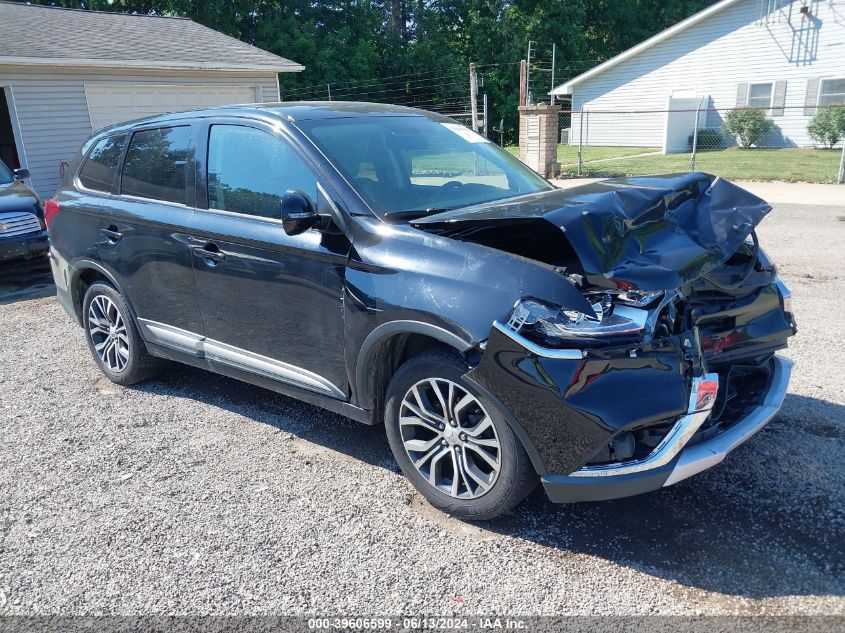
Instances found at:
x=198 y=345
x=358 y=414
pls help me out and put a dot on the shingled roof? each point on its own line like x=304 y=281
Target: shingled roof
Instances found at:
x=53 y=36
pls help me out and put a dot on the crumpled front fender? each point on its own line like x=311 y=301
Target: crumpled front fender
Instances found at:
x=569 y=409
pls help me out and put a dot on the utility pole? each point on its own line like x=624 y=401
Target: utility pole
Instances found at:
x=473 y=96
x=528 y=75
x=485 y=115
x=523 y=82
x=552 y=91
x=329 y=89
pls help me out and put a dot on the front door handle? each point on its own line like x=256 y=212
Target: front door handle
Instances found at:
x=209 y=252
x=112 y=234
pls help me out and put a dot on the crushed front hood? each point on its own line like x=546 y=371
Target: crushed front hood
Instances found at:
x=650 y=233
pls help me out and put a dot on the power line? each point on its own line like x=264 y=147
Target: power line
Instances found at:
x=378 y=79
x=441 y=86
x=367 y=83
x=320 y=88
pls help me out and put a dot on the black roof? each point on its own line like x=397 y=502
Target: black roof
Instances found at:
x=287 y=111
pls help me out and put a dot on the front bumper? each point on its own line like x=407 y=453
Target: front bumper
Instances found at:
x=688 y=459
x=24 y=246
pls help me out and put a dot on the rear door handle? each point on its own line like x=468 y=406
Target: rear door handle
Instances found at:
x=209 y=252
x=112 y=234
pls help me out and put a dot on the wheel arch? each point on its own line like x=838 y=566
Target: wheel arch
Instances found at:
x=387 y=346
x=390 y=344
x=87 y=272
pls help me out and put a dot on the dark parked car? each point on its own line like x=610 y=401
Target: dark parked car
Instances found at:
x=22 y=230
x=393 y=266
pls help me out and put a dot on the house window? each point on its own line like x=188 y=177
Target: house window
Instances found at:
x=832 y=92
x=760 y=95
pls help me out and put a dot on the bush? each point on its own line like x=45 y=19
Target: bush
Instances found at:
x=828 y=126
x=706 y=139
x=747 y=126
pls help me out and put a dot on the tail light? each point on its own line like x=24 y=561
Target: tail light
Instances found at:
x=51 y=208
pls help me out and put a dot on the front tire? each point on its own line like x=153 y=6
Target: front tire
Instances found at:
x=113 y=337
x=461 y=457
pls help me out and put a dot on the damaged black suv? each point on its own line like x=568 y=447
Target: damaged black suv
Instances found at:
x=397 y=268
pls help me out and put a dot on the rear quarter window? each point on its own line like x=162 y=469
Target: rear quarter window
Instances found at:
x=156 y=164
x=99 y=169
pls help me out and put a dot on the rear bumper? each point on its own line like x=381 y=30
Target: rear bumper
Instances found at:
x=687 y=460
x=24 y=246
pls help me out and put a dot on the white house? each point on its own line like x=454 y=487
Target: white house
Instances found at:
x=787 y=56
x=67 y=72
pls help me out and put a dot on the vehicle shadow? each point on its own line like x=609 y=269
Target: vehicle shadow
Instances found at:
x=26 y=279
x=727 y=530
x=718 y=531
x=305 y=421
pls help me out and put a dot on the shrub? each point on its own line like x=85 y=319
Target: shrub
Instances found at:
x=747 y=126
x=706 y=139
x=828 y=126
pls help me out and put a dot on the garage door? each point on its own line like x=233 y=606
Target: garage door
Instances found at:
x=114 y=103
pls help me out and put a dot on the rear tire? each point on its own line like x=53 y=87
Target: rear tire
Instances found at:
x=462 y=458
x=113 y=337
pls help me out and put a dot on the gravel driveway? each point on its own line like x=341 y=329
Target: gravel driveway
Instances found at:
x=198 y=494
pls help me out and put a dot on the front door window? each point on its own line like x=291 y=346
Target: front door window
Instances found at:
x=249 y=171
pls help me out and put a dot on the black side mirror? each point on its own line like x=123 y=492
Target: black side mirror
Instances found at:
x=298 y=212
x=20 y=174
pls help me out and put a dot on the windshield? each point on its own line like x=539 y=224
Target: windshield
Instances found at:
x=406 y=167
x=5 y=174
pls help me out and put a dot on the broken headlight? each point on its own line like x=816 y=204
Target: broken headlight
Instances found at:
x=615 y=315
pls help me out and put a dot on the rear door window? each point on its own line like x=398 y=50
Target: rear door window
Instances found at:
x=156 y=164
x=100 y=167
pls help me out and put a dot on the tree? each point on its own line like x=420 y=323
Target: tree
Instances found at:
x=828 y=126
x=416 y=52
x=747 y=125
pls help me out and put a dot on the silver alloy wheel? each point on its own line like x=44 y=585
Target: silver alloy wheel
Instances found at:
x=449 y=438
x=107 y=330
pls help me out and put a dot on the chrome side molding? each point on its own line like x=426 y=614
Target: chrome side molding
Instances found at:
x=202 y=347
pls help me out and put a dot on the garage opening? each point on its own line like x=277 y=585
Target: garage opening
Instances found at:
x=110 y=103
x=8 y=149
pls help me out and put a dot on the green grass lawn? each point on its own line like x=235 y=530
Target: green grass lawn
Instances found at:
x=792 y=165
x=568 y=154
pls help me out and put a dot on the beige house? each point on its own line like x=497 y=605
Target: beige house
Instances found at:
x=67 y=72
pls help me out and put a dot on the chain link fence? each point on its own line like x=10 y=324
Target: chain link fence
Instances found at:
x=801 y=144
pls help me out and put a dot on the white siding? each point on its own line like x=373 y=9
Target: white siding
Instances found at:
x=53 y=113
x=111 y=102
x=712 y=58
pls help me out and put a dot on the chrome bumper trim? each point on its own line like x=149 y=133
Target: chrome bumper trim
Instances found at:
x=562 y=354
x=702 y=456
x=671 y=445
